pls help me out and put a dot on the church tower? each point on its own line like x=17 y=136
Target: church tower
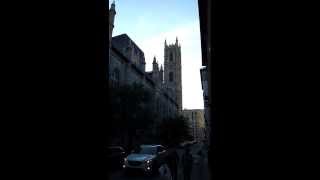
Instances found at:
x=172 y=71
x=112 y=13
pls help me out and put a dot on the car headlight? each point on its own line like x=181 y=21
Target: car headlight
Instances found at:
x=149 y=161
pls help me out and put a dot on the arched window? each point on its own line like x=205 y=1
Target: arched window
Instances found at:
x=171 y=57
x=171 y=76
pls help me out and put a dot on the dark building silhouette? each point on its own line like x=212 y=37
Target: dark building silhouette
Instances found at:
x=253 y=88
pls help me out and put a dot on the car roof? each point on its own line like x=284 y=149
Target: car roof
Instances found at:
x=115 y=147
x=153 y=145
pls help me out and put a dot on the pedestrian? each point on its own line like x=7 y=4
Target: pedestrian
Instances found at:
x=187 y=164
x=165 y=172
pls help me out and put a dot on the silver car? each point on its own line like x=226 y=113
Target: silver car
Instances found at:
x=147 y=158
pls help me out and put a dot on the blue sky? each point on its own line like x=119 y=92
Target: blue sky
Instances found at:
x=149 y=22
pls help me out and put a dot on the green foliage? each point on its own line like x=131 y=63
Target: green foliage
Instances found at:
x=131 y=108
x=174 y=131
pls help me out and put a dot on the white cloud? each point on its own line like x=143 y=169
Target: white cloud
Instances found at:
x=189 y=38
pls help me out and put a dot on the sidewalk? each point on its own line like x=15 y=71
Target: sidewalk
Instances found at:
x=180 y=153
x=200 y=169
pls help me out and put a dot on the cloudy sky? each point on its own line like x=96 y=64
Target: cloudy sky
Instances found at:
x=149 y=22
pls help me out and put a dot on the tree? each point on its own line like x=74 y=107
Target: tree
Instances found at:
x=174 y=130
x=131 y=109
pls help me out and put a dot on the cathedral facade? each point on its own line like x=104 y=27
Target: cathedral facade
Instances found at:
x=127 y=66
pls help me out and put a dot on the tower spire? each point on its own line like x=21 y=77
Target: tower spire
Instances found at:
x=154 y=59
x=177 y=40
x=113 y=5
x=112 y=13
x=155 y=64
x=161 y=74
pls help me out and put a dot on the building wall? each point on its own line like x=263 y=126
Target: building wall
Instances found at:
x=127 y=66
x=129 y=75
x=204 y=84
x=196 y=122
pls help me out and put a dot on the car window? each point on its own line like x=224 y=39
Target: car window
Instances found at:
x=160 y=149
x=146 y=150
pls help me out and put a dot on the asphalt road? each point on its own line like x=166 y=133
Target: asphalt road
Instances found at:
x=164 y=174
x=199 y=168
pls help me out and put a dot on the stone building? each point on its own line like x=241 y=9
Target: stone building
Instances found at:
x=207 y=52
x=172 y=73
x=196 y=123
x=127 y=65
x=204 y=84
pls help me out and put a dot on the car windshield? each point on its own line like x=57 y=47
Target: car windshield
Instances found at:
x=146 y=150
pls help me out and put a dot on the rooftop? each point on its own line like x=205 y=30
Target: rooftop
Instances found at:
x=123 y=40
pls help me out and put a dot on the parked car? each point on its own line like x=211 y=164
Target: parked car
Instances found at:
x=147 y=158
x=115 y=156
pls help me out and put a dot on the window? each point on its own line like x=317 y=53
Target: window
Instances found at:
x=171 y=57
x=171 y=76
x=146 y=150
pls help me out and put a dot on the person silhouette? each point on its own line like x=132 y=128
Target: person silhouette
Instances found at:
x=164 y=172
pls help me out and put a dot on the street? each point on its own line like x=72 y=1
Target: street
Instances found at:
x=199 y=168
x=120 y=175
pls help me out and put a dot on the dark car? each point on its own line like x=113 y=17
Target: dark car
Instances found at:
x=115 y=156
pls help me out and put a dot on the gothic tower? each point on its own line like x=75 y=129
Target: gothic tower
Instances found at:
x=112 y=13
x=155 y=66
x=172 y=71
x=161 y=75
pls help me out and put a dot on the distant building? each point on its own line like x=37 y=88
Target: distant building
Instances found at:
x=196 y=122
